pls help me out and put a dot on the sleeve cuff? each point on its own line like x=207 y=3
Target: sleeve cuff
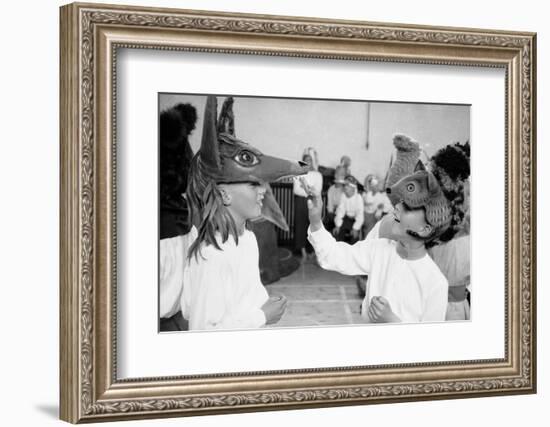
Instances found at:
x=319 y=235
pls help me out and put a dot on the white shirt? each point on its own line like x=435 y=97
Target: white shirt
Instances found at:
x=416 y=289
x=313 y=178
x=172 y=259
x=374 y=233
x=351 y=207
x=222 y=288
x=376 y=202
x=334 y=195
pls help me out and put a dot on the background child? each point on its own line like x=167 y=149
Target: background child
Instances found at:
x=349 y=213
x=451 y=166
x=376 y=202
x=301 y=222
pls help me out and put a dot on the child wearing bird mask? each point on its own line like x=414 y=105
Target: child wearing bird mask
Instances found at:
x=228 y=186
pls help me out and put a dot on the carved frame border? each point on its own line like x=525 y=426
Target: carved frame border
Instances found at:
x=90 y=36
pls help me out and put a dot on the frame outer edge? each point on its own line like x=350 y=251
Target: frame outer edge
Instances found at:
x=69 y=355
x=75 y=361
x=533 y=125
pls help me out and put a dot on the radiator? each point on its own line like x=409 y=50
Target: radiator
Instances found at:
x=284 y=194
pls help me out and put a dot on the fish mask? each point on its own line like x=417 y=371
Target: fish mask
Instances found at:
x=422 y=190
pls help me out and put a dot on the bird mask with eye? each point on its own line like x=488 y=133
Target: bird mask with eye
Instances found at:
x=422 y=190
x=228 y=160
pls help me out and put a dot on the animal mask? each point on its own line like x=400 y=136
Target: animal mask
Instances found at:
x=229 y=160
x=421 y=190
x=407 y=154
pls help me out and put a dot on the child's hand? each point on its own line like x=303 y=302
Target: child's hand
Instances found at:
x=274 y=309
x=314 y=205
x=380 y=311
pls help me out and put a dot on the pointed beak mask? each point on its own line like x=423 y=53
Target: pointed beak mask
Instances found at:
x=229 y=160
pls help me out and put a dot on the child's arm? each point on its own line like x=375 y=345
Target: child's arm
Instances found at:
x=333 y=255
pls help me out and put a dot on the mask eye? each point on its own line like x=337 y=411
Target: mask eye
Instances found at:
x=410 y=187
x=246 y=158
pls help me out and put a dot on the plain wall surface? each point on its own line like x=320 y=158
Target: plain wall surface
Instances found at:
x=29 y=172
x=286 y=127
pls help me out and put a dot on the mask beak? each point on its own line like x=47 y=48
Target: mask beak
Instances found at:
x=275 y=168
x=271 y=210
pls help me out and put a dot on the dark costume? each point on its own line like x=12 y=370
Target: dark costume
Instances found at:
x=176 y=124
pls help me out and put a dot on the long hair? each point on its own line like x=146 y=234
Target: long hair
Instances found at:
x=208 y=213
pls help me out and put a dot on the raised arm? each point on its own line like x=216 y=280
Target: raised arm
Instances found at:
x=333 y=255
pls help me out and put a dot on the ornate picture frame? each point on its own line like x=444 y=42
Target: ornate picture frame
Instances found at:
x=90 y=37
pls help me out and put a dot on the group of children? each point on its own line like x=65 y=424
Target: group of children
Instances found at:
x=351 y=210
x=350 y=213
x=228 y=186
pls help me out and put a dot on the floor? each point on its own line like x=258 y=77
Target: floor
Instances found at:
x=317 y=297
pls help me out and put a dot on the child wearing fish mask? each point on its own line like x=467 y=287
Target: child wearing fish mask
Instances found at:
x=404 y=284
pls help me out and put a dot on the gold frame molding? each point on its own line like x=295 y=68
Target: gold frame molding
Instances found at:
x=90 y=36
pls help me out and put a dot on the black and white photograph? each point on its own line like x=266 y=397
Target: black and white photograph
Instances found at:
x=263 y=211
x=290 y=212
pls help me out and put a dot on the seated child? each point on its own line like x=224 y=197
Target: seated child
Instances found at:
x=228 y=187
x=404 y=284
x=349 y=213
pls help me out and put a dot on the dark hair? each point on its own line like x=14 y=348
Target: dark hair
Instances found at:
x=207 y=209
x=454 y=160
x=188 y=115
x=451 y=167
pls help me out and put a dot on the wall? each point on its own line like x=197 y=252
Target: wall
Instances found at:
x=29 y=176
x=303 y=123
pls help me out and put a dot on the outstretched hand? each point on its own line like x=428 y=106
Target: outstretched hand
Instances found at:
x=314 y=205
